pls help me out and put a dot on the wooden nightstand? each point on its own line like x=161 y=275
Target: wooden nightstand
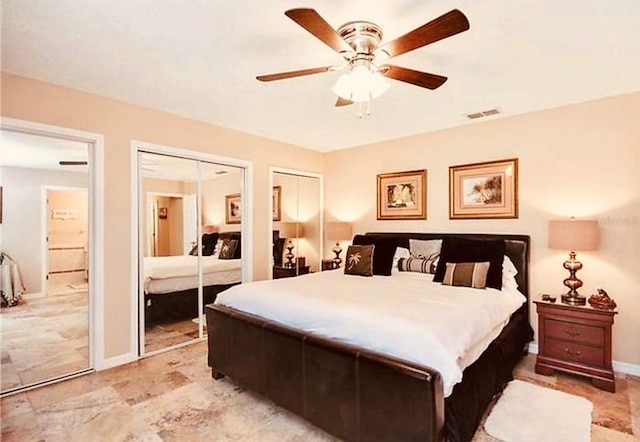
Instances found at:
x=575 y=339
x=288 y=272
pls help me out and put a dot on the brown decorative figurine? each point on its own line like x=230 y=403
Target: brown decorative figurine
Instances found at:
x=602 y=300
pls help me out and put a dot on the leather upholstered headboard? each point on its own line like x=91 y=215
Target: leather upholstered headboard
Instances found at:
x=517 y=249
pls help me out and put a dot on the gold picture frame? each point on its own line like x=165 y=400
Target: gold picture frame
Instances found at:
x=233 y=209
x=486 y=190
x=402 y=195
x=277 y=203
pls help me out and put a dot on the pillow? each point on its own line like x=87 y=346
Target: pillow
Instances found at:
x=466 y=274
x=509 y=272
x=425 y=248
x=385 y=249
x=359 y=260
x=401 y=252
x=209 y=241
x=422 y=265
x=216 y=251
x=228 y=248
x=457 y=249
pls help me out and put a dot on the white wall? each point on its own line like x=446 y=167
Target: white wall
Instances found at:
x=581 y=160
x=23 y=232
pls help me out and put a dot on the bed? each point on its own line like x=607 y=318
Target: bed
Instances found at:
x=364 y=392
x=171 y=282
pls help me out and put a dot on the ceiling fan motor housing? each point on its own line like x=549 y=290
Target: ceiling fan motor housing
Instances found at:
x=363 y=36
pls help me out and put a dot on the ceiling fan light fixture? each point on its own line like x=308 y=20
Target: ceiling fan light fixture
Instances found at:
x=360 y=84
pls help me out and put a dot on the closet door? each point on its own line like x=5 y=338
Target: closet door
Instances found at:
x=169 y=274
x=299 y=224
x=44 y=249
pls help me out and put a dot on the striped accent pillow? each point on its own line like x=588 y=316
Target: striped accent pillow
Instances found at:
x=466 y=274
x=422 y=265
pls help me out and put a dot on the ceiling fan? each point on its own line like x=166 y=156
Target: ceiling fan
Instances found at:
x=72 y=163
x=365 y=59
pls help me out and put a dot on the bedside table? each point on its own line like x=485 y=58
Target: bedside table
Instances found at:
x=288 y=272
x=575 y=339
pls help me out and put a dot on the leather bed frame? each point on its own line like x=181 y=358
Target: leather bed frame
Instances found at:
x=360 y=395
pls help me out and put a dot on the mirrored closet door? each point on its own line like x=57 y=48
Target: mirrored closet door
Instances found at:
x=190 y=223
x=44 y=258
x=297 y=223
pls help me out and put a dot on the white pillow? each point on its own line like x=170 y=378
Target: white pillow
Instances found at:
x=509 y=272
x=216 y=251
x=420 y=248
x=401 y=252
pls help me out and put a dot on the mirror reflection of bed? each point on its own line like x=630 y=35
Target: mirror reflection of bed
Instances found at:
x=179 y=272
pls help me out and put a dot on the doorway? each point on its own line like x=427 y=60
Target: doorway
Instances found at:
x=46 y=331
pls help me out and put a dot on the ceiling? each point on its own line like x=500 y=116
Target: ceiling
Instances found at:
x=32 y=151
x=199 y=59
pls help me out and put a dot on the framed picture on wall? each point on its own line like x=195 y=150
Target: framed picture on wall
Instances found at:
x=162 y=212
x=277 y=203
x=484 y=190
x=402 y=195
x=233 y=208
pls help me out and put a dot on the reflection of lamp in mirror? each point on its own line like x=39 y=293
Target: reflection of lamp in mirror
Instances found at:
x=573 y=235
x=209 y=228
x=340 y=231
x=291 y=230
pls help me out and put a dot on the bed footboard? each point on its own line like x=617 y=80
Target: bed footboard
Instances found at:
x=352 y=394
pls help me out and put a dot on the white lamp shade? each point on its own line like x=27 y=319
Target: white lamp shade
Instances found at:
x=573 y=235
x=291 y=230
x=340 y=231
x=360 y=84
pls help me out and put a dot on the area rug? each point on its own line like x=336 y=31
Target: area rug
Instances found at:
x=529 y=413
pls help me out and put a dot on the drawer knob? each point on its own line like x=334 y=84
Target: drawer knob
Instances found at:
x=575 y=354
x=572 y=333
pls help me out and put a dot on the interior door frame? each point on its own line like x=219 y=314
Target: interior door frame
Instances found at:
x=95 y=144
x=137 y=284
x=301 y=173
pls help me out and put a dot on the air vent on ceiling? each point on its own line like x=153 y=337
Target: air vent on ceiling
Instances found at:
x=482 y=114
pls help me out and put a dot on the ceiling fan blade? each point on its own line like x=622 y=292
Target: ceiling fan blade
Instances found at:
x=316 y=25
x=292 y=74
x=422 y=79
x=72 y=163
x=451 y=23
x=342 y=102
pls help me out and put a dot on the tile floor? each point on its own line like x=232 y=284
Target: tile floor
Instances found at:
x=171 y=397
x=44 y=337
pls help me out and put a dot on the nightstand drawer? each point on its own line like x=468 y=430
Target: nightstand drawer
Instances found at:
x=574 y=352
x=583 y=334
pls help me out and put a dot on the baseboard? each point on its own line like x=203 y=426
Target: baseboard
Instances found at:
x=117 y=360
x=620 y=367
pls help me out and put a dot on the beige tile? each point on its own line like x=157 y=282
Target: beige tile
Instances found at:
x=62 y=420
x=62 y=391
x=602 y=434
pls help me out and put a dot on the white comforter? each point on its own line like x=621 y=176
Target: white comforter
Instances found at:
x=163 y=267
x=166 y=274
x=405 y=315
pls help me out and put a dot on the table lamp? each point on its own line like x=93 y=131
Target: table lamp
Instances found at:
x=573 y=235
x=340 y=231
x=291 y=230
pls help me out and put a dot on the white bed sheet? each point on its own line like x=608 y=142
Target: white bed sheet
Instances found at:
x=405 y=315
x=165 y=274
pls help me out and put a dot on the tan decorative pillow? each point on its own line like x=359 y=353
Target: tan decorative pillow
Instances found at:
x=359 y=260
x=228 y=248
x=466 y=274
